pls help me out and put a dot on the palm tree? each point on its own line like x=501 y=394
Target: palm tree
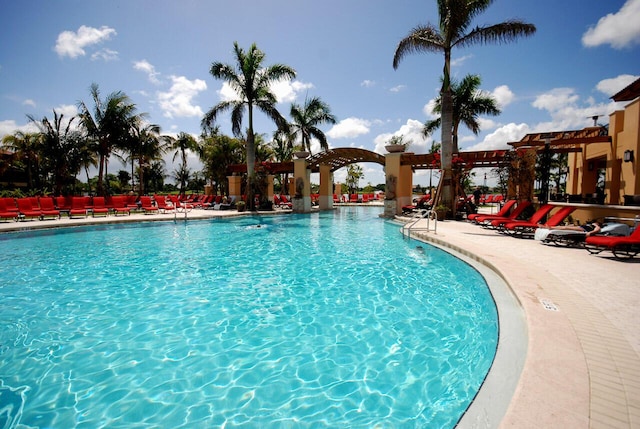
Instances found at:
x=455 y=17
x=146 y=147
x=217 y=154
x=251 y=82
x=282 y=149
x=306 y=120
x=108 y=125
x=468 y=103
x=181 y=144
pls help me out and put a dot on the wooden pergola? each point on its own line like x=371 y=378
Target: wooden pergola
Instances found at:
x=563 y=141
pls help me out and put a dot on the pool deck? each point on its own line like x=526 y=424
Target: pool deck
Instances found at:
x=582 y=368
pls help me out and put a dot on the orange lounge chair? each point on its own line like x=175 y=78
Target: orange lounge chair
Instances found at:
x=99 y=207
x=621 y=247
x=48 y=208
x=527 y=228
x=147 y=205
x=504 y=211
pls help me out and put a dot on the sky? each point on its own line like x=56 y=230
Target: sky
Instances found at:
x=159 y=53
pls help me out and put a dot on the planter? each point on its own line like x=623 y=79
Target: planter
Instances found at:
x=395 y=148
x=302 y=154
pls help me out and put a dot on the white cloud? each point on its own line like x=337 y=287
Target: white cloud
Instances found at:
x=148 y=68
x=556 y=99
x=105 y=55
x=68 y=110
x=411 y=132
x=500 y=137
x=611 y=86
x=349 y=128
x=398 y=88
x=503 y=95
x=72 y=44
x=457 y=62
x=178 y=101
x=286 y=91
x=367 y=83
x=29 y=102
x=618 y=29
x=428 y=109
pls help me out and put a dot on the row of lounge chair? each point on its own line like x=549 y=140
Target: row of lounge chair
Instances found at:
x=513 y=220
x=41 y=208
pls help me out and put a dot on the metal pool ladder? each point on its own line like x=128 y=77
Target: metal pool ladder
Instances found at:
x=430 y=215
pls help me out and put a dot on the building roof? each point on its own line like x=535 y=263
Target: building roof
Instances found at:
x=630 y=92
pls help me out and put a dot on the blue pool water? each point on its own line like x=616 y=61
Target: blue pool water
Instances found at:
x=328 y=320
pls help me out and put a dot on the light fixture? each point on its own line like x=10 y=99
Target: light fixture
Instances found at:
x=628 y=156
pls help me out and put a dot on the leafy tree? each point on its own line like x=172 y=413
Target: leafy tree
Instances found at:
x=217 y=154
x=56 y=146
x=305 y=121
x=453 y=30
x=282 y=149
x=251 y=82
x=468 y=103
x=26 y=147
x=354 y=174
x=108 y=125
x=123 y=179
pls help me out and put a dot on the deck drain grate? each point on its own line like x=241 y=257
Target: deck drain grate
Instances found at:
x=548 y=305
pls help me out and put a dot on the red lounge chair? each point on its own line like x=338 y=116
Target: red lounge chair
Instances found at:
x=504 y=211
x=528 y=228
x=335 y=198
x=5 y=214
x=99 y=207
x=621 y=247
x=25 y=208
x=161 y=203
x=48 y=208
x=353 y=198
x=120 y=205
x=515 y=215
x=536 y=217
x=78 y=207
x=147 y=205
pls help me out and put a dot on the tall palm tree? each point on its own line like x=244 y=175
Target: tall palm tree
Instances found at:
x=147 y=146
x=108 y=125
x=181 y=144
x=453 y=30
x=251 y=82
x=468 y=103
x=305 y=121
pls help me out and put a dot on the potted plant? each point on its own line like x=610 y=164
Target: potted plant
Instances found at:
x=441 y=211
x=397 y=144
x=241 y=206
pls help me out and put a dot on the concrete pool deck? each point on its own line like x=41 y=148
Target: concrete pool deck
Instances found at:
x=582 y=368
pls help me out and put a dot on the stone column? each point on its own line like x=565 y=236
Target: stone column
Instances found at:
x=301 y=199
x=399 y=184
x=326 y=188
x=235 y=187
x=270 y=187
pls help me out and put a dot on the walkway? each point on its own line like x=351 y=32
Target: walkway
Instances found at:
x=583 y=362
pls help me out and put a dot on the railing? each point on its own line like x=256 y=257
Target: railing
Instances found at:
x=430 y=215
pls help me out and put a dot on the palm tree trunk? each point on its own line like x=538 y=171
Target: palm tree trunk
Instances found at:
x=447 y=151
x=251 y=162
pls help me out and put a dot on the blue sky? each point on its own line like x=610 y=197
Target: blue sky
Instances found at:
x=159 y=53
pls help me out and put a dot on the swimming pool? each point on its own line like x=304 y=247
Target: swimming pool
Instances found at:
x=322 y=320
